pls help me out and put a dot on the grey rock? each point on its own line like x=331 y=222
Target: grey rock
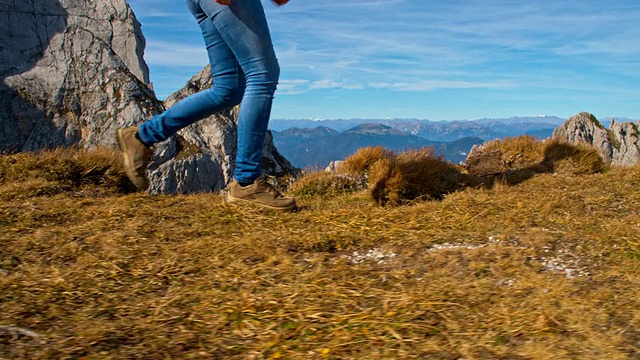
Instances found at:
x=72 y=72
x=626 y=147
x=201 y=157
x=334 y=166
x=482 y=163
x=617 y=145
x=114 y=23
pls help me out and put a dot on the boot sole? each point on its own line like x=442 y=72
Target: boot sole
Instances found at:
x=232 y=199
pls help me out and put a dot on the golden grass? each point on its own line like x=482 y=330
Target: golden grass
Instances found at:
x=121 y=276
x=361 y=161
x=549 y=155
x=414 y=174
x=420 y=175
x=326 y=184
x=575 y=159
x=65 y=169
x=519 y=151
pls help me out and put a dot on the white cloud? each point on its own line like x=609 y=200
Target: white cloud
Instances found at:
x=431 y=85
x=324 y=84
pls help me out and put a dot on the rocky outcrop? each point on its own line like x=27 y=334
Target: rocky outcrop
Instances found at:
x=72 y=72
x=200 y=158
x=618 y=145
x=626 y=143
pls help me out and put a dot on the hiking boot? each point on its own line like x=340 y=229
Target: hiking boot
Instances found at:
x=136 y=156
x=261 y=193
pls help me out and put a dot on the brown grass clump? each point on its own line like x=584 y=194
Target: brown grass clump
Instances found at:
x=65 y=170
x=514 y=160
x=517 y=152
x=573 y=159
x=362 y=160
x=326 y=184
x=414 y=174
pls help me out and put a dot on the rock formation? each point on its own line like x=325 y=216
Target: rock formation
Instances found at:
x=72 y=72
x=618 y=145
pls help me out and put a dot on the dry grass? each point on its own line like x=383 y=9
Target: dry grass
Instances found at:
x=484 y=273
x=524 y=152
x=514 y=160
x=362 y=160
x=51 y=172
x=412 y=175
x=518 y=152
x=572 y=159
x=322 y=183
x=420 y=175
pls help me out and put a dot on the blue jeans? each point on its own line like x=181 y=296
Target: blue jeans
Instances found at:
x=245 y=71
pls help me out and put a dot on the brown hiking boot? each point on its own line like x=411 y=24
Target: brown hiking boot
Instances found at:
x=261 y=193
x=136 y=156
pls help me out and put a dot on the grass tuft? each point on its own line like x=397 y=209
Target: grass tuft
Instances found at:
x=322 y=183
x=516 y=152
x=572 y=159
x=362 y=160
x=519 y=158
x=412 y=175
x=69 y=169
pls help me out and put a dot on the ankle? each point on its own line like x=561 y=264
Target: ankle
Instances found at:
x=142 y=141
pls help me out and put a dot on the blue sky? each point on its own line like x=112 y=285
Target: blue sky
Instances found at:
x=427 y=59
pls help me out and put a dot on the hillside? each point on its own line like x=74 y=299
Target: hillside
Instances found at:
x=546 y=269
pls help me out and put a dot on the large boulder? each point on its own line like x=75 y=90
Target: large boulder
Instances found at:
x=201 y=157
x=618 y=145
x=72 y=72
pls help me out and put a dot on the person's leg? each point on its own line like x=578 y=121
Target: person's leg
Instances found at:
x=243 y=26
x=227 y=90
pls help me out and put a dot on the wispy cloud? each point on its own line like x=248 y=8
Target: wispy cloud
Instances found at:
x=431 y=85
x=404 y=41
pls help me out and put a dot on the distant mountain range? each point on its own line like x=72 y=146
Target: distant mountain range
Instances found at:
x=315 y=143
x=441 y=131
x=318 y=146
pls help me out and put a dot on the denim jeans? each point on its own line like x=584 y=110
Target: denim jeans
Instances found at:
x=245 y=71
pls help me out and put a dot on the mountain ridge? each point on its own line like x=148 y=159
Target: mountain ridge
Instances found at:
x=442 y=131
x=317 y=147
